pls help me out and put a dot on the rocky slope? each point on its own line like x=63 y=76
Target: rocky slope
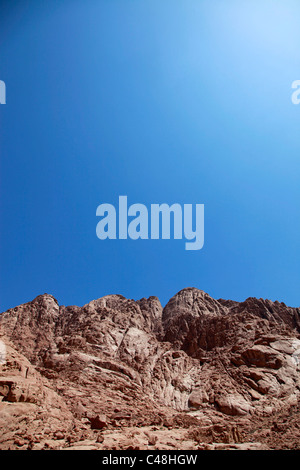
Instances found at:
x=125 y=374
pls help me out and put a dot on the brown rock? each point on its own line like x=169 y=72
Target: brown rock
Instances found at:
x=263 y=356
x=224 y=367
x=98 y=422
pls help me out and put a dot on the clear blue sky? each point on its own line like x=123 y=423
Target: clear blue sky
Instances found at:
x=163 y=101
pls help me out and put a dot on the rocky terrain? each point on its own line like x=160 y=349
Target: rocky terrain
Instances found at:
x=116 y=373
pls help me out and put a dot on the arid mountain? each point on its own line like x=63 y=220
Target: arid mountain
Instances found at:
x=123 y=374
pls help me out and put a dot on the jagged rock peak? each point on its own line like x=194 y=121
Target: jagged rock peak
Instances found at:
x=272 y=311
x=45 y=297
x=46 y=300
x=194 y=302
x=148 y=311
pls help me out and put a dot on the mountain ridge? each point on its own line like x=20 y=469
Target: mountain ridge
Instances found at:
x=194 y=364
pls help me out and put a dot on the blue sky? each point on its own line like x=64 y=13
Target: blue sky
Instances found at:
x=163 y=101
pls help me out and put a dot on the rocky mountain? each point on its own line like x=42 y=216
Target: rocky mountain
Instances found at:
x=117 y=373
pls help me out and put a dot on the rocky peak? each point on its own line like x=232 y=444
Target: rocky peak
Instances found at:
x=276 y=312
x=193 y=302
x=31 y=326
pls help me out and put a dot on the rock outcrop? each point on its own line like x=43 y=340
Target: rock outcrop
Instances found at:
x=216 y=371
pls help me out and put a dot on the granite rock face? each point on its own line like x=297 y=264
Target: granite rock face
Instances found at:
x=216 y=372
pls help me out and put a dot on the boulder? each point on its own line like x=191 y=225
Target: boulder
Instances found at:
x=233 y=405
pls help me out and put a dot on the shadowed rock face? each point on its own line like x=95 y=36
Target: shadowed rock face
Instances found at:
x=117 y=364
